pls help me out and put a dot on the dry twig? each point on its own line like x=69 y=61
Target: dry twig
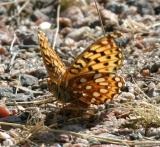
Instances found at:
x=57 y=29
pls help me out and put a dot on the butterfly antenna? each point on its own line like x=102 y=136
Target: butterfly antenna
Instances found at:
x=100 y=17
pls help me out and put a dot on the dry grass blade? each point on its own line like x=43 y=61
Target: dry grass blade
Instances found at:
x=12 y=124
x=57 y=30
x=35 y=102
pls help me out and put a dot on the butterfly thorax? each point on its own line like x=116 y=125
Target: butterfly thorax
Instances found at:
x=59 y=91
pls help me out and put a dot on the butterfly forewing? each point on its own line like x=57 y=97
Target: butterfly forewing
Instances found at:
x=104 y=55
x=53 y=63
x=95 y=88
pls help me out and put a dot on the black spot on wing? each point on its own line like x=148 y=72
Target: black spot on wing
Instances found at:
x=106 y=64
x=102 y=54
x=97 y=61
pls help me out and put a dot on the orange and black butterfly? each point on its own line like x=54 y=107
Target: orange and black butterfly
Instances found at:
x=92 y=78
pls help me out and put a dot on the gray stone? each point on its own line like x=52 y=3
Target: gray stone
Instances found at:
x=28 y=80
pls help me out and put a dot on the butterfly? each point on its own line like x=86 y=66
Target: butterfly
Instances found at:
x=92 y=78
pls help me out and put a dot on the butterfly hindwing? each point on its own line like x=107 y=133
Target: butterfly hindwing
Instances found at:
x=95 y=88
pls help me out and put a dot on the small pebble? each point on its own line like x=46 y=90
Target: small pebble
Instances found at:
x=155 y=68
x=78 y=34
x=64 y=138
x=6 y=92
x=145 y=72
x=45 y=25
x=65 y=22
x=127 y=96
x=135 y=136
x=2 y=69
x=74 y=13
x=28 y=80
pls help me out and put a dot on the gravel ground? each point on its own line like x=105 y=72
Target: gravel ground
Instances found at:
x=35 y=117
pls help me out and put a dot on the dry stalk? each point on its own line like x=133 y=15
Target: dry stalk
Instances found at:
x=57 y=29
x=12 y=124
x=23 y=6
x=34 y=102
x=14 y=54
